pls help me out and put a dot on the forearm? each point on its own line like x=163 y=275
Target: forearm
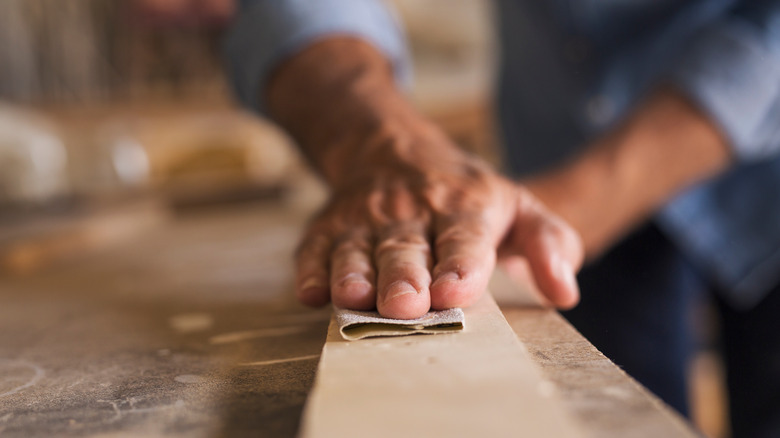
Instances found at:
x=339 y=100
x=665 y=146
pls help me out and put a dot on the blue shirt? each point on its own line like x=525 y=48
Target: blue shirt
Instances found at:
x=571 y=69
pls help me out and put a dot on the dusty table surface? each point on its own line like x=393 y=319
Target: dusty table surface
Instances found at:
x=191 y=330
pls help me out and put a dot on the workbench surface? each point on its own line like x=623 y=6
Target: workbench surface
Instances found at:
x=191 y=330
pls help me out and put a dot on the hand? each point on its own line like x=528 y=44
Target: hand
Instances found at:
x=405 y=235
x=413 y=223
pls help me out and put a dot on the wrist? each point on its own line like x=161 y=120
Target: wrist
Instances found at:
x=339 y=101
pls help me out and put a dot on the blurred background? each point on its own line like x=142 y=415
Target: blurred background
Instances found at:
x=110 y=106
x=115 y=117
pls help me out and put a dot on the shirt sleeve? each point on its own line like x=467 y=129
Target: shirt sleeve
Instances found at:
x=731 y=70
x=268 y=31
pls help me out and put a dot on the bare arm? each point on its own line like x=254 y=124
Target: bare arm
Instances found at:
x=665 y=146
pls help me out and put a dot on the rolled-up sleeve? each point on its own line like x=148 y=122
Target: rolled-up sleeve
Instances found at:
x=268 y=31
x=731 y=70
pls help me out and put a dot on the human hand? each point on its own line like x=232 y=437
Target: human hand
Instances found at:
x=419 y=226
x=413 y=222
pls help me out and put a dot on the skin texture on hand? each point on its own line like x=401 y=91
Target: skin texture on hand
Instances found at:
x=413 y=222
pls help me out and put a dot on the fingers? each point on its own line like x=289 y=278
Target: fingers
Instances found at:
x=343 y=270
x=352 y=276
x=392 y=271
x=553 y=272
x=403 y=260
x=311 y=284
x=466 y=256
x=552 y=248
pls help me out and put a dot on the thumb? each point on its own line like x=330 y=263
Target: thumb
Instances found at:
x=552 y=248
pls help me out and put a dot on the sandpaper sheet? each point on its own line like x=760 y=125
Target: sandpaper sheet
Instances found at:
x=354 y=325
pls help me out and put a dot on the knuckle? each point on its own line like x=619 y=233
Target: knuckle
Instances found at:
x=464 y=198
x=553 y=229
x=556 y=228
x=350 y=250
x=350 y=266
x=402 y=243
x=412 y=273
x=526 y=202
x=313 y=245
x=356 y=240
x=463 y=233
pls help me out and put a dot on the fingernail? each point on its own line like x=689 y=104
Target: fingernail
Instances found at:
x=564 y=272
x=313 y=283
x=447 y=277
x=398 y=289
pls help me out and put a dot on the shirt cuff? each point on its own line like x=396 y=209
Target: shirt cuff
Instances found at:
x=268 y=31
x=731 y=74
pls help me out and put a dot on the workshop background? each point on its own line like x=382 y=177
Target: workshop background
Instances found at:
x=116 y=115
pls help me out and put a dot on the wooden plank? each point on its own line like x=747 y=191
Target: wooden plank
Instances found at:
x=604 y=401
x=190 y=329
x=479 y=382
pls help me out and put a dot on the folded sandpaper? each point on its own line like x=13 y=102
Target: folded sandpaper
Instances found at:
x=354 y=324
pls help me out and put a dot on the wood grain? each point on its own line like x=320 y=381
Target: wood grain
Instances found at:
x=190 y=329
x=604 y=401
x=479 y=382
